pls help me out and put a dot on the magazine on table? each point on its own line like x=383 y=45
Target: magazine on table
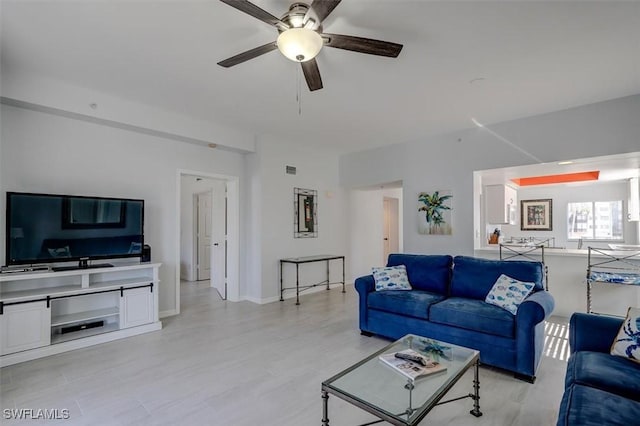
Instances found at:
x=412 y=364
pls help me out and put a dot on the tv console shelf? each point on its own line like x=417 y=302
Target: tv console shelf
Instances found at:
x=44 y=312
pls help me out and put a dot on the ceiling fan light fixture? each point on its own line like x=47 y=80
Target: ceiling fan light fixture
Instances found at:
x=299 y=44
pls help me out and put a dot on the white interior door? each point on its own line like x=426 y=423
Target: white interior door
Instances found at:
x=204 y=233
x=219 y=239
x=391 y=228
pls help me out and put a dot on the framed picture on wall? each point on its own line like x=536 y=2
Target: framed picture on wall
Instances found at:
x=536 y=215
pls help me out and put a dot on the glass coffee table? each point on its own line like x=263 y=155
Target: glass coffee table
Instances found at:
x=380 y=390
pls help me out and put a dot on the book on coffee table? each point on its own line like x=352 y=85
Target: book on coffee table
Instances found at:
x=422 y=366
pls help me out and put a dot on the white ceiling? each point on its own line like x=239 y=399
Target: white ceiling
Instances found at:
x=530 y=57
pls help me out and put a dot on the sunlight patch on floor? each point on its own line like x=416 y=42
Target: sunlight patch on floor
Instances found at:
x=556 y=340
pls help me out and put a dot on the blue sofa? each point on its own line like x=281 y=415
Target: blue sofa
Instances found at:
x=447 y=303
x=600 y=389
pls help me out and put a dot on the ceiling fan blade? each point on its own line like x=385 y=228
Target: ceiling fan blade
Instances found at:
x=249 y=54
x=362 y=45
x=312 y=74
x=253 y=10
x=323 y=8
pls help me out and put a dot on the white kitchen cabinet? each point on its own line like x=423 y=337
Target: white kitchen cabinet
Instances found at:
x=501 y=202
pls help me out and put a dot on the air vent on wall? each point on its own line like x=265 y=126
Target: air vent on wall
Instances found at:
x=291 y=170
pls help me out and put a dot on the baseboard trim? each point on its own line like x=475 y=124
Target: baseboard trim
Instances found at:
x=169 y=313
x=291 y=294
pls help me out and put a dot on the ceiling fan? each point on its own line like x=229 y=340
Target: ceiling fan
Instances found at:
x=301 y=37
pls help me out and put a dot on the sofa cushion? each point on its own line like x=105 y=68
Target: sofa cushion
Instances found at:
x=391 y=278
x=507 y=293
x=603 y=371
x=627 y=342
x=587 y=406
x=414 y=303
x=473 y=277
x=473 y=315
x=426 y=272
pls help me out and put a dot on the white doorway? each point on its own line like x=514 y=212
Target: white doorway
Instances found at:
x=208 y=231
x=375 y=213
x=210 y=235
x=390 y=227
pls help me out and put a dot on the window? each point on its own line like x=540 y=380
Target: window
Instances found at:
x=597 y=220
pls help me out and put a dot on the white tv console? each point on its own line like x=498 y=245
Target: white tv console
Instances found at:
x=44 y=313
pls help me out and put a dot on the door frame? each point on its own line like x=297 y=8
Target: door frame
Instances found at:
x=233 y=231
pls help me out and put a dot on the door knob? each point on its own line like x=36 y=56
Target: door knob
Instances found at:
x=215 y=244
x=386 y=239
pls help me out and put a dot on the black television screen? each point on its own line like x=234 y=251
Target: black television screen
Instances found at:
x=47 y=228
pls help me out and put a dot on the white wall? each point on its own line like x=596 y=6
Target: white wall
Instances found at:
x=366 y=220
x=272 y=212
x=42 y=152
x=563 y=194
x=59 y=97
x=448 y=161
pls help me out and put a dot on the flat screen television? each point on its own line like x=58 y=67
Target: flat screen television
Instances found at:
x=49 y=228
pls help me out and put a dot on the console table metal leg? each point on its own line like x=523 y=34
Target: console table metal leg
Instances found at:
x=297 y=284
x=343 y=290
x=281 y=289
x=328 y=280
x=476 y=390
x=325 y=408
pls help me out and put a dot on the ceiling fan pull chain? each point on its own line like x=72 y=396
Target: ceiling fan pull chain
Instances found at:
x=299 y=90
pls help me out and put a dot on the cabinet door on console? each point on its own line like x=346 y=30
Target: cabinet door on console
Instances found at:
x=136 y=307
x=24 y=326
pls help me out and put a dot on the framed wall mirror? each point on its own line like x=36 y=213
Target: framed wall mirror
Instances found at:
x=305 y=217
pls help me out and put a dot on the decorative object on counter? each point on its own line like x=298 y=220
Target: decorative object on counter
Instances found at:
x=536 y=215
x=436 y=219
x=494 y=237
x=305 y=213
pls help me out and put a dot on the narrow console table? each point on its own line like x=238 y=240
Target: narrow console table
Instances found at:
x=309 y=259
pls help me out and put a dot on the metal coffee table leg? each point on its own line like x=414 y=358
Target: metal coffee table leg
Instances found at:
x=325 y=408
x=476 y=390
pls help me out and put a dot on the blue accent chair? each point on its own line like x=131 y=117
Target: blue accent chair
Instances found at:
x=447 y=304
x=600 y=389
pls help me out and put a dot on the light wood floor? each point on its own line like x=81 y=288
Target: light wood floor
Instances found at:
x=224 y=363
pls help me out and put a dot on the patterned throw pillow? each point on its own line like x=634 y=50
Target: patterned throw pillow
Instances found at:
x=627 y=342
x=508 y=293
x=391 y=278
